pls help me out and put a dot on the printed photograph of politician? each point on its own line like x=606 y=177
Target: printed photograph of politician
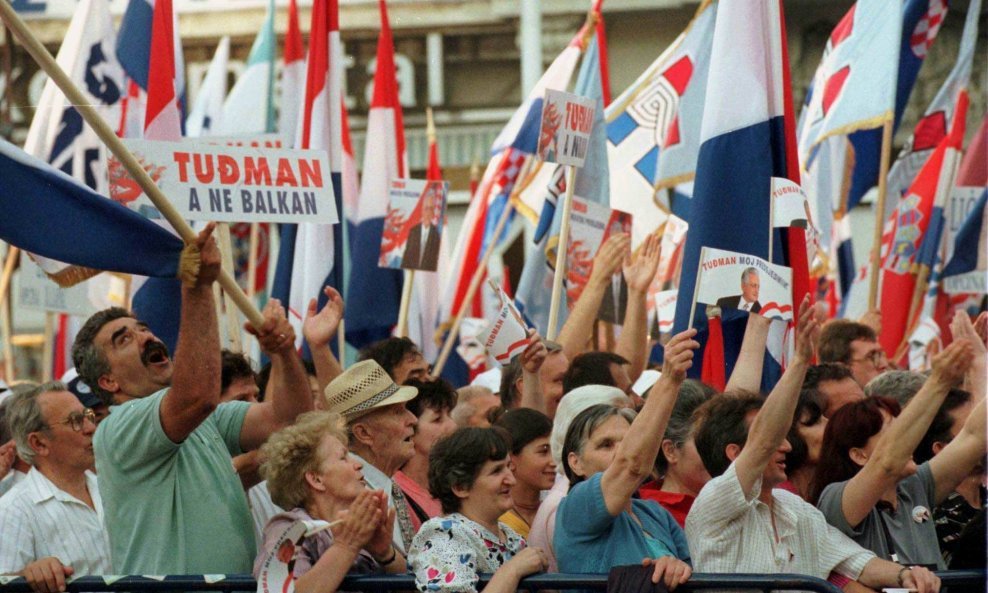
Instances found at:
x=748 y=299
x=743 y=282
x=615 y=302
x=413 y=226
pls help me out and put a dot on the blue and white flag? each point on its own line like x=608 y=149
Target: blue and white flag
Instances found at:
x=967 y=270
x=51 y=214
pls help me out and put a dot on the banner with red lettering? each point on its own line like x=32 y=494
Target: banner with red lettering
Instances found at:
x=732 y=280
x=230 y=184
x=567 y=120
x=507 y=335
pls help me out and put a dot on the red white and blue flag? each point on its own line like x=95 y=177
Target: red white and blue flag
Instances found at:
x=374 y=294
x=743 y=145
x=292 y=76
x=311 y=255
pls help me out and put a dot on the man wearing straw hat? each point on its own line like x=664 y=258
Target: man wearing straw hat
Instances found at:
x=380 y=430
x=172 y=502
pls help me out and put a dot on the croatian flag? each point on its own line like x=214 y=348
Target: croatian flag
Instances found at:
x=58 y=134
x=51 y=214
x=591 y=183
x=743 y=145
x=134 y=46
x=374 y=293
x=310 y=255
x=933 y=126
x=249 y=109
x=915 y=220
x=207 y=110
x=292 y=76
x=158 y=301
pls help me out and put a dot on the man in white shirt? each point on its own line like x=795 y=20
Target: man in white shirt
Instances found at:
x=738 y=523
x=52 y=521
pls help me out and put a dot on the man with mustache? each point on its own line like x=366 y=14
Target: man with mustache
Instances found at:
x=173 y=504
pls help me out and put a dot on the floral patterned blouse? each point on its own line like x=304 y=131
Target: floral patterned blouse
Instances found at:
x=449 y=553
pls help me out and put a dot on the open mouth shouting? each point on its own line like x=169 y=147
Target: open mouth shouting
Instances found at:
x=155 y=353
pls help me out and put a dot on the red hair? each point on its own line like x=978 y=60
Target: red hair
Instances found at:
x=851 y=426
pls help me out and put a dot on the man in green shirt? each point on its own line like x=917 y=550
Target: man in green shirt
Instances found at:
x=172 y=501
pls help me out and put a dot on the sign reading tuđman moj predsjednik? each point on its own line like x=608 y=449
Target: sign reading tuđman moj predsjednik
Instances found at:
x=230 y=183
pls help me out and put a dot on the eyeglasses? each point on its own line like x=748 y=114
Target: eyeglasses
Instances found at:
x=77 y=419
x=875 y=356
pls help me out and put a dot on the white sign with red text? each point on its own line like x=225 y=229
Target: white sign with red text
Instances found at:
x=276 y=574
x=507 y=335
x=230 y=184
x=567 y=120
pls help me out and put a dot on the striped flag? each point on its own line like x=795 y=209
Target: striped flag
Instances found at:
x=292 y=76
x=207 y=111
x=373 y=295
x=591 y=183
x=743 y=145
x=310 y=255
x=249 y=109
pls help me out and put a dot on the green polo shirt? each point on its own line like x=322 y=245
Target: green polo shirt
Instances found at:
x=173 y=508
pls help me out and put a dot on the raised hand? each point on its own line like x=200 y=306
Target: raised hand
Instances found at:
x=534 y=355
x=950 y=365
x=640 y=272
x=276 y=335
x=319 y=327
x=807 y=331
x=609 y=257
x=678 y=356
x=209 y=257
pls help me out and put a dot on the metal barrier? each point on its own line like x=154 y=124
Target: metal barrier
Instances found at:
x=406 y=582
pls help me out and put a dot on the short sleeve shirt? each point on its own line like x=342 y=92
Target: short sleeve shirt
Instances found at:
x=173 y=508
x=589 y=539
x=911 y=524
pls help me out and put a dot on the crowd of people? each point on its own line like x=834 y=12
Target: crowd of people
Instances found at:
x=568 y=459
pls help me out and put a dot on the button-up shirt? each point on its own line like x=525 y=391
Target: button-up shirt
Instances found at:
x=38 y=520
x=730 y=530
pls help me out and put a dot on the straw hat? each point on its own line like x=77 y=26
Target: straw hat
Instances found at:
x=363 y=388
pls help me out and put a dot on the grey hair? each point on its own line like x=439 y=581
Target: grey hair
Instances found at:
x=571 y=405
x=464 y=407
x=89 y=360
x=747 y=274
x=583 y=427
x=899 y=385
x=692 y=394
x=24 y=415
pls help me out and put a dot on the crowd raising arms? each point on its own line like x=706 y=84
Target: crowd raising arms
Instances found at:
x=607 y=453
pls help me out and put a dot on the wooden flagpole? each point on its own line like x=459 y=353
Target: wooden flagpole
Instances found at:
x=876 y=248
x=47 y=345
x=252 y=246
x=8 y=330
x=232 y=321
x=406 y=300
x=106 y=134
x=560 y=272
x=478 y=275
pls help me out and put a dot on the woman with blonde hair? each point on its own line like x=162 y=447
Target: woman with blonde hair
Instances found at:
x=309 y=472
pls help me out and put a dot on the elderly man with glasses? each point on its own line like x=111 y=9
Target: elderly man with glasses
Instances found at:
x=52 y=521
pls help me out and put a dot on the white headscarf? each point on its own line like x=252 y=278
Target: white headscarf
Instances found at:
x=570 y=407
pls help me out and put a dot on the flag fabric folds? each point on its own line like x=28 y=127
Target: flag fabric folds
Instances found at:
x=310 y=255
x=373 y=295
x=49 y=213
x=249 y=109
x=292 y=76
x=743 y=145
x=207 y=111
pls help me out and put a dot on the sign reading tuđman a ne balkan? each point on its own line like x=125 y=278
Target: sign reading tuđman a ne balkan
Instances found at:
x=229 y=183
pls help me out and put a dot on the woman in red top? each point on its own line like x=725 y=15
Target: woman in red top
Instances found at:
x=680 y=472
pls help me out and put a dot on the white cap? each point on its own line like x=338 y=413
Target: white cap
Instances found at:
x=490 y=379
x=645 y=381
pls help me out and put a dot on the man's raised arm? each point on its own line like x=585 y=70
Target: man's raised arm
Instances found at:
x=195 y=386
x=774 y=419
x=289 y=394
